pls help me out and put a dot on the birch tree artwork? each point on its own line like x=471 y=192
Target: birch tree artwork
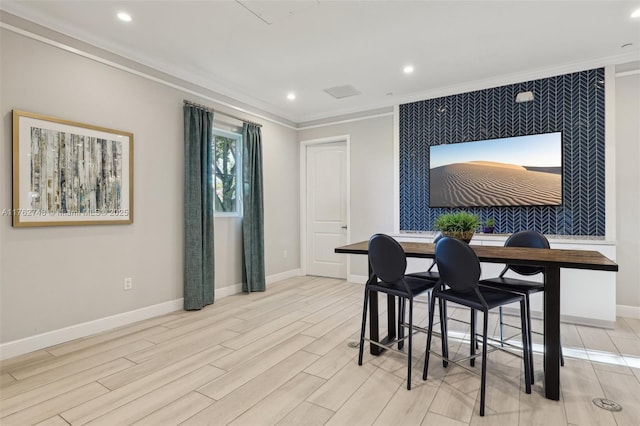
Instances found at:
x=75 y=174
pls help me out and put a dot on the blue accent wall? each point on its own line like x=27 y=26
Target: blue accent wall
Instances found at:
x=572 y=104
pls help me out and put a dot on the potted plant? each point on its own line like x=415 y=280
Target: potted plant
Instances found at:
x=461 y=225
x=488 y=226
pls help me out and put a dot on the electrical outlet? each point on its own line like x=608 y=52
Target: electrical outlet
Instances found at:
x=128 y=283
x=284 y=254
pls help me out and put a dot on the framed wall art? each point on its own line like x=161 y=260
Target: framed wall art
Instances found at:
x=68 y=173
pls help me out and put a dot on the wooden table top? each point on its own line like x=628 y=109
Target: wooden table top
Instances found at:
x=575 y=259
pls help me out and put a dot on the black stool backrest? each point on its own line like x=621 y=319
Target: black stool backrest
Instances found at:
x=530 y=239
x=437 y=238
x=458 y=264
x=387 y=258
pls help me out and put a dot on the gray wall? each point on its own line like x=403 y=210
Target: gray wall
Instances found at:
x=51 y=278
x=627 y=109
x=372 y=182
x=371 y=177
x=55 y=277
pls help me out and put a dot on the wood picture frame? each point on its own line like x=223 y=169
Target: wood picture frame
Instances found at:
x=69 y=173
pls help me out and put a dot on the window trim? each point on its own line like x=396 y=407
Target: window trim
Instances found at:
x=238 y=138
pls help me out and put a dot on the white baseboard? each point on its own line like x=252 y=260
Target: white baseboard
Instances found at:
x=55 y=337
x=223 y=292
x=628 y=311
x=360 y=279
x=283 y=276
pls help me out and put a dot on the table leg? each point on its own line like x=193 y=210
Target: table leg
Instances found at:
x=374 y=333
x=552 y=333
x=373 y=323
x=391 y=319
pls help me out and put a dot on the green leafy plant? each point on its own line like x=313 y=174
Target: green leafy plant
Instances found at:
x=460 y=225
x=488 y=226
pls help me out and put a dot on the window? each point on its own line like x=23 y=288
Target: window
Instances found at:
x=228 y=173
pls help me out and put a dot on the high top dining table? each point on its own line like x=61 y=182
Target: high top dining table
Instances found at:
x=551 y=259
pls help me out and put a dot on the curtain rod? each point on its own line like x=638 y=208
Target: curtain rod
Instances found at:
x=206 y=108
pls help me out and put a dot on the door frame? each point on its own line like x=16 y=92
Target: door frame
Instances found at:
x=304 y=145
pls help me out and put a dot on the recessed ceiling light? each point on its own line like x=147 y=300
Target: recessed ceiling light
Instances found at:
x=635 y=13
x=291 y=96
x=408 y=69
x=124 y=16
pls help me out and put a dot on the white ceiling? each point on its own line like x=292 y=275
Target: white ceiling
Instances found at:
x=258 y=51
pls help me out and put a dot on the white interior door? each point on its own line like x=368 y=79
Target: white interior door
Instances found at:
x=327 y=191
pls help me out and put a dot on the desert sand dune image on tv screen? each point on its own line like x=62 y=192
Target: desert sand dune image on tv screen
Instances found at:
x=484 y=183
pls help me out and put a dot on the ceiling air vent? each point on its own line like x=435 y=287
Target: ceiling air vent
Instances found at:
x=340 y=92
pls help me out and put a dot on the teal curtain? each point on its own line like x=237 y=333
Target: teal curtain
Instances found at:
x=253 y=212
x=199 y=269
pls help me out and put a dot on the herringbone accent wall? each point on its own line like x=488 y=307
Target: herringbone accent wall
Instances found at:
x=571 y=103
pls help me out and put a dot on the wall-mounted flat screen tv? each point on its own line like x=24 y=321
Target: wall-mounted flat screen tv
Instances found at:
x=517 y=171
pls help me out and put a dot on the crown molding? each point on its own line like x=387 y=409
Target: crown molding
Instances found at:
x=627 y=73
x=231 y=99
x=69 y=44
x=349 y=118
x=471 y=86
x=524 y=76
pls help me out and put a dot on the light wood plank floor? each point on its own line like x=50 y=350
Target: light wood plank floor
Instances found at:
x=282 y=357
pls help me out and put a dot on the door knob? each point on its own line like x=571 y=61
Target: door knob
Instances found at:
x=344 y=227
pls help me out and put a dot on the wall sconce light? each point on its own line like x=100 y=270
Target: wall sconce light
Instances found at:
x=524 y=97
